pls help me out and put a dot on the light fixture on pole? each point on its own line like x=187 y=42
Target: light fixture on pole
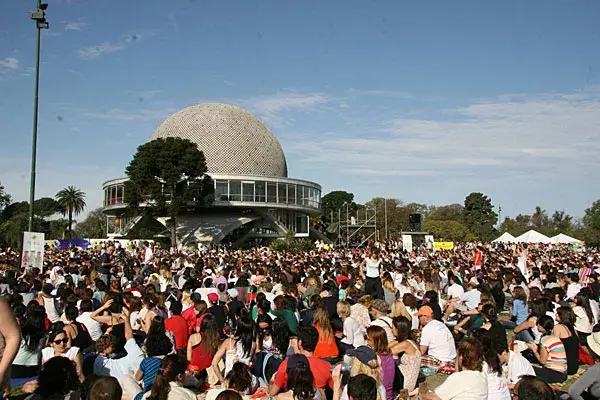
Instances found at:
x=39 y=16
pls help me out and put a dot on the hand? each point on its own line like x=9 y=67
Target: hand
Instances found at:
x=533 y=347
x=125 y=311
x=107 y=304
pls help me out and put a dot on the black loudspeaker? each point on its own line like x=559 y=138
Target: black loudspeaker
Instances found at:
x=414 y=218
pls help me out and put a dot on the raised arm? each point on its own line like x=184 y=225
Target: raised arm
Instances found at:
x=103 y=319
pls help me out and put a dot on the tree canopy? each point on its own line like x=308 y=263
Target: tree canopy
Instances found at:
x=72 y=202
x=479 y=216
x=93 y=226
x=169 y=176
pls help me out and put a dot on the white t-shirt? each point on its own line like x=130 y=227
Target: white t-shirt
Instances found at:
x=48 y=353
x=517 y=367
x=464 y=385
x=93 y=327
x=123 y=366
x=354 y=335
x=497 y=384
x=582 y=322
x=372 y=268
x=439 y=341
x=455 y=291
x=472 y=298
x=386 y=324
x=572 y=290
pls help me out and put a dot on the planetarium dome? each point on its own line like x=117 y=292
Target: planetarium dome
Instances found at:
x=233 y=140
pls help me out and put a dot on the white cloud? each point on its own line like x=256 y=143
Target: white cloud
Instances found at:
x=271 y=105
x=97 y=50
x=510 y=136
x=10 y=63
x=75 y=26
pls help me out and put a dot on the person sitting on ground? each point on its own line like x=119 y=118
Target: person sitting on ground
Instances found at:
x=436 y=340
x=514 y=364
x=551 y=353
x=239 y=379
x=321 y=369
x=167 y=385
x=380 y=310
x=58 y=380
x=359 y=387
x=105 y=388
x=300 y=380
x=533 y=388
x=469 y=381
x=588 y=385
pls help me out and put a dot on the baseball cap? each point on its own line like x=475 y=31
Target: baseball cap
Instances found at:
x=213 y=297
x=381 y=306
x=364 y=354
x=425 y=311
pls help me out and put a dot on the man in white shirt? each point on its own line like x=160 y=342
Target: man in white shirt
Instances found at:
x=148 y=253
x=380 y=310
x=467 y=302
x=436 y=339
x=515 y=366
x=455 y=289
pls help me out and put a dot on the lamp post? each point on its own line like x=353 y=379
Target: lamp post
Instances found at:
x=347 y=221
x=39 y=16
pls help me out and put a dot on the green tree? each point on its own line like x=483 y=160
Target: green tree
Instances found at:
x=334 y=201
x=592 y=216
x=479 y=216
x=539 y=218
x=517 y=226
x=93 y=226
x=46 y=207
x=12 y=229
x=562 y=222
x=4 y=198
x=169 y=175
x=72 y=202
x=451 y=212
x=449 y=230
x=15 y=209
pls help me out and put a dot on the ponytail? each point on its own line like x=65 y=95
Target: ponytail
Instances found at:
x=171 y=367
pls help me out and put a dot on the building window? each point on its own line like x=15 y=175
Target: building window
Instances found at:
x=301 y=223
x=222 y=190
x=235 y=191
x=291 y=194
x=248 y=191
x=271 y=192
x=259 y=194
x=281 y=193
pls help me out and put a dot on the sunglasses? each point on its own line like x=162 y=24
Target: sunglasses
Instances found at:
x=63 y=341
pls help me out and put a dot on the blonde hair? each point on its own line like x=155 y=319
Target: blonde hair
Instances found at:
x=343 y=309
x=389 y=285
x=399 y=310
x=372 y=370
x=366 y=301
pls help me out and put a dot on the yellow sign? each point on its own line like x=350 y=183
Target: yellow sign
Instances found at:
x=443 y=245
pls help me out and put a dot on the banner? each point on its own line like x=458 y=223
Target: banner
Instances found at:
x=443 y=245
x=32 y=255
x=429 y=242
x=407 y=243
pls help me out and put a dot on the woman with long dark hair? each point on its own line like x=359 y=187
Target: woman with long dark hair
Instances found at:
x=239 y=380
x=497 y=382
x=584 y=318
x=58 y=379
x=167 y=384
x=59 y=344
x=238 y=348
x=565 y=331
x=203 y=345
x=410 y=362
x=300 y=383
x=33 y=332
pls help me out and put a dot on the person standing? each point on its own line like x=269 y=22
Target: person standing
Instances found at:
x=373 y=280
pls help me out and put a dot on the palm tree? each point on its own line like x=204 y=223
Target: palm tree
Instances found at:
x=72 y=201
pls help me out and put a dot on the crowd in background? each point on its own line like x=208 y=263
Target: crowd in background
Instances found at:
x=371 y=323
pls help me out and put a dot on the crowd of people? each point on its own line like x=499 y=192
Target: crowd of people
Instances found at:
x=141 y=322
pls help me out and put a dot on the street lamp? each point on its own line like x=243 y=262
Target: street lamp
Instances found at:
x=39 y=16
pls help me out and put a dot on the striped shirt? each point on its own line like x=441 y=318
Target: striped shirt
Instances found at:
x=149 y=367
x=557 y=357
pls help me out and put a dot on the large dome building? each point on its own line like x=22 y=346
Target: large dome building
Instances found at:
x=254 y=200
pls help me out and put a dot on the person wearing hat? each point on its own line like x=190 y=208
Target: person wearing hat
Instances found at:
x=380 y=310
x=468 y=301
x=364 y=360
x=588 y=384
x=219 y=311
x=436 y=339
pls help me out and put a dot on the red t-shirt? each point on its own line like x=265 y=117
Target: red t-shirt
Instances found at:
x=320 y=369
x=178 y=325
x=341 y=279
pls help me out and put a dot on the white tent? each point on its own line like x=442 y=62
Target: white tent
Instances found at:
x=533 y=237
x=562 y=238
x=505 y=238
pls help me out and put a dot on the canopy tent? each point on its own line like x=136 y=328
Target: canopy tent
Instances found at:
x=562 y=238
x=505 y=238
x=532 y=237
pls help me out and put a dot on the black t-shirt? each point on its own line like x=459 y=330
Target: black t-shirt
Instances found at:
x=219 y=312
x=234 y=308
x=105 y=269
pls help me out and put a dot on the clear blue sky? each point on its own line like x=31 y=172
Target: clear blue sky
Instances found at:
x=420 y=101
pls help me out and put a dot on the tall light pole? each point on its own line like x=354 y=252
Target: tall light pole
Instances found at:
x=347 y=221
x=385 y=217
x=39 y=16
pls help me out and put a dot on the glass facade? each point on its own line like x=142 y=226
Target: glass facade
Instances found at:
x=247 y=191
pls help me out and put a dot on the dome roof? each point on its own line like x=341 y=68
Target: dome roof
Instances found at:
x=233 y=140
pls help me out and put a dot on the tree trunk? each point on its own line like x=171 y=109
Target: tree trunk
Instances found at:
x=173 y=231
x=70 y=223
